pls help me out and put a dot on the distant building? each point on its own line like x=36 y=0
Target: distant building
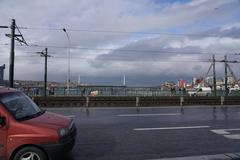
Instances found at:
x=219 y=82
x=194 y=81
x=2 y=74
x=198 y=81
x=230 y=80
x=168 y=85
x=209 y=80
x=181 y=83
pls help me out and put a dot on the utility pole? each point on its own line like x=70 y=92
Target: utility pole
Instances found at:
x=12 y=55
x=45 y=72
x=226 y=78
x=69 y=63
x=45 y=55
x=214 y=76
x=21 y=40
x=226 y=67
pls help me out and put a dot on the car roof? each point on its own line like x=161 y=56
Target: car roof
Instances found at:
x=6 y=90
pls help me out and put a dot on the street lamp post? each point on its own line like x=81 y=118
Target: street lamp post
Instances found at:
x=68 y=73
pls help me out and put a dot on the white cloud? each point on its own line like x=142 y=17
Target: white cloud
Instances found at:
x=235 y=25
x=197 y=2
x=115 y=15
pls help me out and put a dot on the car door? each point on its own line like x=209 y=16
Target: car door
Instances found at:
x=3 y=137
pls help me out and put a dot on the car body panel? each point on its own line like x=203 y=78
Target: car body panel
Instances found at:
x=42 y=130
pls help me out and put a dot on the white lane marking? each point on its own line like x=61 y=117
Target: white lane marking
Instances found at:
x=227 y=133
x=146 y=115
x=170 y=128
x=232 y=136
x=71 y=116
x=220 y=131
x=235 y=129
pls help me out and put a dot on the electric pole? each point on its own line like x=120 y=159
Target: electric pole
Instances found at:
x=69 y=63
x=226 y=78
x=21 y=40
x=45 y=55
x=12 y=55
x=214 y=77
x=226 y=66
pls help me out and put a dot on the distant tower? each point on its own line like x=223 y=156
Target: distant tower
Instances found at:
x=124 y=80
x=79 y=80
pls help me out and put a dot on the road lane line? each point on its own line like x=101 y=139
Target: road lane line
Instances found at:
x=71 y=116
x=227 y=133
x=170 y=128
x=233 y=136
x=220 y=131
x=234 y=129
x=148 y=115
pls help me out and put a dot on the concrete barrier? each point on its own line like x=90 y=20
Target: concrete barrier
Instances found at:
x=78 y=101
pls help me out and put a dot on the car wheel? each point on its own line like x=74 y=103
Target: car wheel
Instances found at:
x=30 y=153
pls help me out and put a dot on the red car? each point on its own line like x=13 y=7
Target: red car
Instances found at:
x=30 y=133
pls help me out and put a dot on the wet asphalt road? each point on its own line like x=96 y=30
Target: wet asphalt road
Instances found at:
x=153 y=133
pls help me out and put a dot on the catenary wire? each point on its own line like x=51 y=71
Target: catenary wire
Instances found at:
x=119 y=32
x=117 y=50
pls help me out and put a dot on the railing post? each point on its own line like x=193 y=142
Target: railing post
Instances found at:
x=87 y=101
x=137 y=101
x=222 y=100
x=181 y=101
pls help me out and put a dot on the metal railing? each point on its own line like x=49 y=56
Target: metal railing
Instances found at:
x=114 y=91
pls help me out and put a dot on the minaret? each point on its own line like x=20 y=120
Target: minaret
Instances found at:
x=124 y=80
x=79 y=80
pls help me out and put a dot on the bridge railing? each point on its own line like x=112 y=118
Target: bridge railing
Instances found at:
x=115 y=91
x=124 y=101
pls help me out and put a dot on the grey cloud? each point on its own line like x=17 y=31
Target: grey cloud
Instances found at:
x=179 y=62
x=115 y=15
x=197 y=67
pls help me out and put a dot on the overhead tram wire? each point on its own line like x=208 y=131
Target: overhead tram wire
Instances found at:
x=117 y=58
x=119 y=50
x=121 y=32
x=35 y=52
x=123 y=59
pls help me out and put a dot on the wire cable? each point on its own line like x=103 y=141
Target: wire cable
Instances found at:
x=117 y=50
x=120 y=32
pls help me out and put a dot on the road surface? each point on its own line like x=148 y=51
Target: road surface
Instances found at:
x=155 y=133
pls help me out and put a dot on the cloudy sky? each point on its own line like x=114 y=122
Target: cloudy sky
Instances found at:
x=149 y=41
